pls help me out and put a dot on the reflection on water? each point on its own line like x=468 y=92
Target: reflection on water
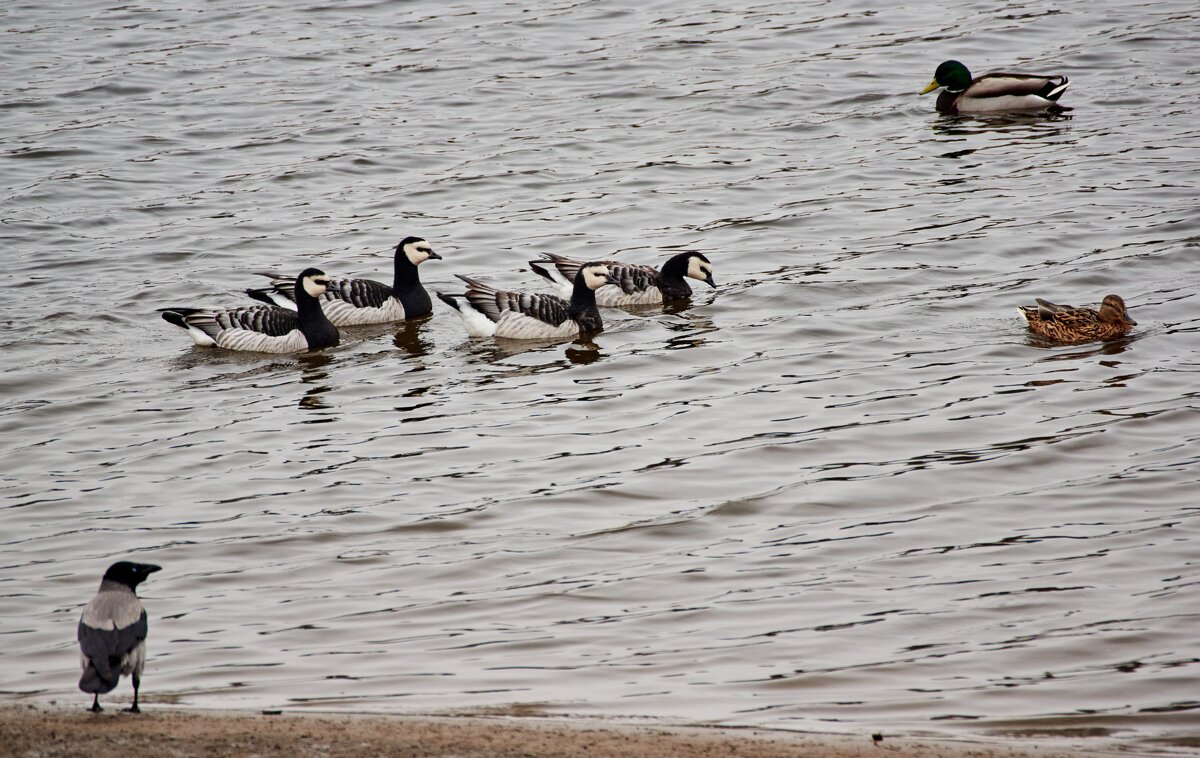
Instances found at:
x=1027 y=126
x=313 y=372
x=410 y=337
x=846 y=488
x=583 y=351
x=1076 y=352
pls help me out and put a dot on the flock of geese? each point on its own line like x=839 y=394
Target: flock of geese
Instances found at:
x=304 y=312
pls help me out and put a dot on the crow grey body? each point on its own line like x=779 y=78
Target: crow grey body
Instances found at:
x=112 y=632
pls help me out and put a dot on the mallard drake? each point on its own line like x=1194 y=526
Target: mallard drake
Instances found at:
x=992 y=93
x=637 y=284
x=487 y=311
x=264 y=328
x=348 y=302
x=1066 y=323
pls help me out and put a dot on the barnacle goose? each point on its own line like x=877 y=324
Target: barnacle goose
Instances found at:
x=487 y=311
x=349 y=302
x=264 y=328
x=636 y=284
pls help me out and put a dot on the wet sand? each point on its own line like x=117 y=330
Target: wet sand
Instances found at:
x=36 y=731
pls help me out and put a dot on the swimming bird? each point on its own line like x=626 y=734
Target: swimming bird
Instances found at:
x=487 y=311
x=264 y=328
x=112 y=632
x=636 y=284
x=992 y=93
x=348 y=302
x=1066 y=323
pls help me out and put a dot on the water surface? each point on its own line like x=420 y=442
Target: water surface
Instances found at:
x=843 y=491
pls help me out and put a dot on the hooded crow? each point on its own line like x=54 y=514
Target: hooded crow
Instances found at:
x=112 y=632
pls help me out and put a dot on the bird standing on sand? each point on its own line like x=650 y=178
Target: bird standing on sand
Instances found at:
x=112 y=632
x=1066 y=323
x=993 y=93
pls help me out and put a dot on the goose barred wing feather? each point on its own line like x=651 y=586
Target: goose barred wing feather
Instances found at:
x=492 y=303
x=263 y=319
x=281 y=283
x=633 y=277
x=361 y=293
x=568 y=267
x=548 y=308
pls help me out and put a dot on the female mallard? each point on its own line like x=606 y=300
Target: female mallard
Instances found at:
x=638 y=284
x=487 y=311
x=992 y=93
x=1066 y=323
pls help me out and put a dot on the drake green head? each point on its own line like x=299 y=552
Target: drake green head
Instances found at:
x=952 y=75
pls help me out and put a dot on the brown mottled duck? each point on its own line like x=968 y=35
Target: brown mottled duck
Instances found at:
x=1066 y=323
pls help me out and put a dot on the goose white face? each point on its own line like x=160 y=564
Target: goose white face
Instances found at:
x=316 y=284
x=698 y=268
x=418 y=252
x=595 y=276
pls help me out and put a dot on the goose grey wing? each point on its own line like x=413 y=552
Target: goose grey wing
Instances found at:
x=568 y=267
x=493 y=302
x=361 y=293
x=549 y=308
x=633 y=278
x=281 y=283
x=270 y=320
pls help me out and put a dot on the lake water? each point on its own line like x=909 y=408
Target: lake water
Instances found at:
x=843 y=491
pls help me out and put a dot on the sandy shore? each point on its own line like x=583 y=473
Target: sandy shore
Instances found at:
x=36 y=731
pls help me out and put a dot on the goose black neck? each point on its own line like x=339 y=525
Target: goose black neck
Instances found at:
x=314 y=324
x=671 y=277
x=406 y=287
x=583 y=308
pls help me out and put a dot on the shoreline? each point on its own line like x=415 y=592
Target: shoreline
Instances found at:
x=43 y=731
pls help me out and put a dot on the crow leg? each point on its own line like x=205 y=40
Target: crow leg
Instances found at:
x=137 y=682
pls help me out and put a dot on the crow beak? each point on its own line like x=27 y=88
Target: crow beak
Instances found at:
x=150 y=568
x=932 y=86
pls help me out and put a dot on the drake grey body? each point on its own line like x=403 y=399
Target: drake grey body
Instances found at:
x=264 y=328
x=350 y=302
x=487 y=311
x=994 y=93
x=112 y=633
x=634 y=284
